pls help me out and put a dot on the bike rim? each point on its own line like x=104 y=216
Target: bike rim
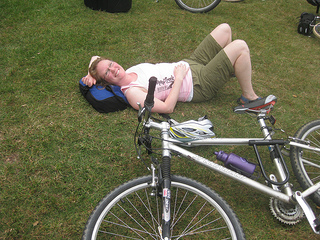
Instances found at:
x=198 y=6
x=316 y=30
x=225 y=226
x=311 y=159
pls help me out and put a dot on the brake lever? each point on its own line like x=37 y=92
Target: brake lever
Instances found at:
x=141 y=112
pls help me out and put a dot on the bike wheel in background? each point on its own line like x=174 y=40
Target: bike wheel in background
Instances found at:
x=198 y=6
x=133 y=211
x=306 y=163
x=316 y=30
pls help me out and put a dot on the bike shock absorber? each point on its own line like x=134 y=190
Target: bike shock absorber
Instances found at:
x=166 y=183
x=166 y=196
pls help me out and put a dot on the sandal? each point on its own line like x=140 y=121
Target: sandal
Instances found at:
x=242 y=100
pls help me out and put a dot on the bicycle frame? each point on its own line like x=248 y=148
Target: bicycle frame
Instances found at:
x=315 y=21
x=172 y=145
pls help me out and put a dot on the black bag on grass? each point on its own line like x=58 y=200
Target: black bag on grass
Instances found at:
x=111 y=6
x=306 y=19
x=104 y=99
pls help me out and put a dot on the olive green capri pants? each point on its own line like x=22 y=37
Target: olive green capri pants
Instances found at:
x=211 y=69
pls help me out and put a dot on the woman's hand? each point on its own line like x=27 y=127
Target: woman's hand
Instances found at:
x=88 y=80
x=180 y=71
x=137 y=94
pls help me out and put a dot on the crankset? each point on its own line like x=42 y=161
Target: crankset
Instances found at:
x=286 y=213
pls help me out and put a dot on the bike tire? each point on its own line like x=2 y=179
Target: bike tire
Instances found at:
x=130 y=212
x=306 y=163
x=316 y=30
x=197 y=6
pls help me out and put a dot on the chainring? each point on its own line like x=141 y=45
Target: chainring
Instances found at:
x=286 y=213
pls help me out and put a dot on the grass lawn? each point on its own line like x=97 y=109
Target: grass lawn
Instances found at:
x=59 y=157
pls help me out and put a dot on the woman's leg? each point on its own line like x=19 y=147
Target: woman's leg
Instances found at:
x=239 y=54
x=218 y=66
x=222 y=34
x=208 y=49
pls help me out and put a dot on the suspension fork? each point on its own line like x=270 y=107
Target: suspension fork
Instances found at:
x=281 y=169
x=166 y=190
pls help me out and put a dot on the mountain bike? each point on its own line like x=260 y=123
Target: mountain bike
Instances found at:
x=165 y=206
x=315 y=24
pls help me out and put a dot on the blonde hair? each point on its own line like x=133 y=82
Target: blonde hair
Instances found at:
x=94 y=73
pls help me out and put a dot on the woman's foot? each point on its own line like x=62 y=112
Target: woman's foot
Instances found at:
x=242 y=100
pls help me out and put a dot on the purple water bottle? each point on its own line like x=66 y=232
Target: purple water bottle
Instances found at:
x=236 y=163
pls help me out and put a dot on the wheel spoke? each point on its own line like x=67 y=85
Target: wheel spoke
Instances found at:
x=198 y=5
x=133 y=213
x=306 y=162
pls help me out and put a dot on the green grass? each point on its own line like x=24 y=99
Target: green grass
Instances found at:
x=59 y=157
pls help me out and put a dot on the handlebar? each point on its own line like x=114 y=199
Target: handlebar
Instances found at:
x=149 y=101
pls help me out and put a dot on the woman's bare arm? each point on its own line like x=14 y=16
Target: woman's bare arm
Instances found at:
x=89 y=80
x=136 y=94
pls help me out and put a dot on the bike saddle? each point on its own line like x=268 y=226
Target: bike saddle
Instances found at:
x=257 y=106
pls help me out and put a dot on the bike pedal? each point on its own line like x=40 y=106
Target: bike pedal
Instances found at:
x=313 y=221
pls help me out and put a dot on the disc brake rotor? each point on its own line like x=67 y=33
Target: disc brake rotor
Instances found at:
x=286 y=213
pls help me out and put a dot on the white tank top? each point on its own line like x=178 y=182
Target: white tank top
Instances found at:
x=165 y=79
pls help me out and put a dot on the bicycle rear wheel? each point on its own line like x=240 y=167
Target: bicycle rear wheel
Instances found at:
x=132 y=212
x=316 y=30
x=198 y=6
x=306 y=163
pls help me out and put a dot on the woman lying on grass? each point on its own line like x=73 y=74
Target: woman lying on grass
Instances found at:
x=194 y=79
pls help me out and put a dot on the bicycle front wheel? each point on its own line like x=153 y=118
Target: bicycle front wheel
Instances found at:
x=316 y=30
x=198 y=6
x=306 y=163
x=133 y=211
